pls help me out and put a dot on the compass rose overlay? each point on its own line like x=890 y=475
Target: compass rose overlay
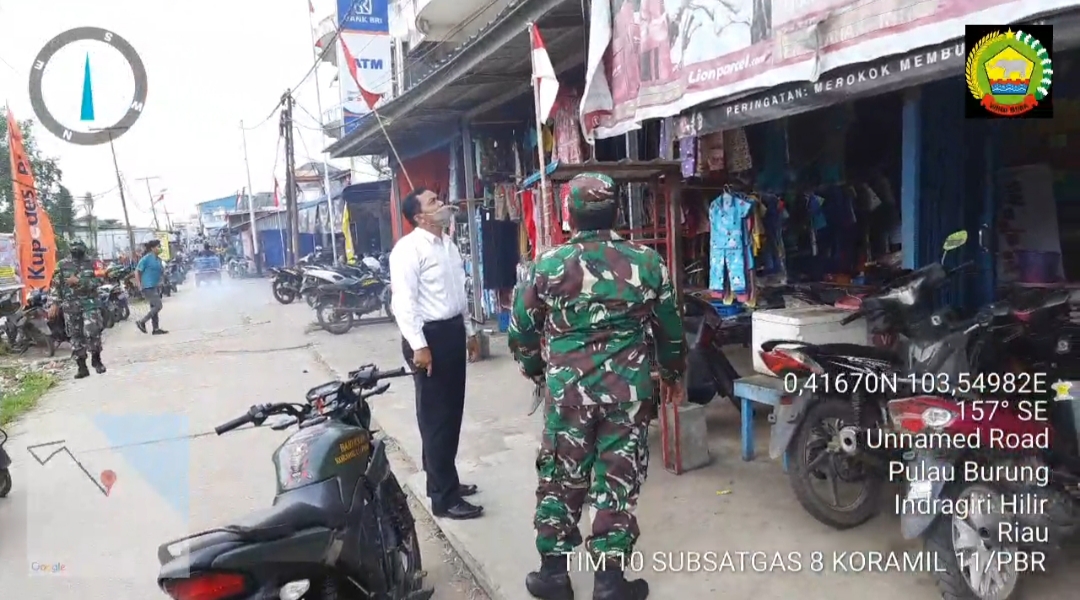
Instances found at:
x=103 y=136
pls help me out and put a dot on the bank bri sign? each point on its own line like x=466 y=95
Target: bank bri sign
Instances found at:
x=372 y=16
x=366 y=31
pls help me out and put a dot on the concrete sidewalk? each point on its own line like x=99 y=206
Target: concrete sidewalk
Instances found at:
x=730 y=506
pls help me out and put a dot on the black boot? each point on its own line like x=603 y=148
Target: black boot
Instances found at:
x=83 y=371
x=611 y=584
x=95 y=361
x=551 y=582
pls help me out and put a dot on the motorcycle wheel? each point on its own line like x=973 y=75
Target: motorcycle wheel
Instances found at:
x=817 y=458
x=283 y=293
x=337 y=322
x=107 y=318
x=125 y=312
x=311 y=299
x=408 y=563
x=973 y=577
x=5 y=483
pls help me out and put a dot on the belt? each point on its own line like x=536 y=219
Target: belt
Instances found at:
x=451 y=321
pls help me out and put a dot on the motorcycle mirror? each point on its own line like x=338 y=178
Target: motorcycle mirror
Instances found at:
x=381 y=388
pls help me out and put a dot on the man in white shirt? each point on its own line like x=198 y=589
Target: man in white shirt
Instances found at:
x=427 y=281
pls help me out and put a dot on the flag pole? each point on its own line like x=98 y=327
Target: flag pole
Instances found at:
x=545 y=210
x=322 y=130
x=251 y=206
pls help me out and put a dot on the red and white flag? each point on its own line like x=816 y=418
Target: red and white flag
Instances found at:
x=370 y=98
x=277 y=194
x=543 y=77
x=160 y=198
x=311 y=7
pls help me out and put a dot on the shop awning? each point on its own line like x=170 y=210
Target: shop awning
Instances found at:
x=490 y=69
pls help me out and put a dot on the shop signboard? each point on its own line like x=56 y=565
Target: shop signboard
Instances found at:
x=9 y=263
x=373 y=53
x=669 y=56
x=370 y=16
x=889 y=74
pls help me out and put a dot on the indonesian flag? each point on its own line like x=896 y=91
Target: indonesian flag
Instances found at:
x=277 y=194
x=370 y=98
x=160 y=198
x=240 y=198
x=543 y=77
x=311 y=7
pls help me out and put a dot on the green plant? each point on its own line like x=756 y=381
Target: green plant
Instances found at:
x=29 y=389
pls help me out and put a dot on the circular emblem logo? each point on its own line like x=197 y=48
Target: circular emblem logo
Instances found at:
x=1008 y=73
x=100 y=135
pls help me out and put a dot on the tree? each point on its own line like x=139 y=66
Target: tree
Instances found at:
x=47 y=176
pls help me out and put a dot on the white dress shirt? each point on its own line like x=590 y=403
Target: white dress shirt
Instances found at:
x=427 y=283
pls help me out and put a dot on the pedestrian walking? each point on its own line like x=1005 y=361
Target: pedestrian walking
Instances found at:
x=604 y=307
x=149 y=275
x=74 y=290
x=427 y=280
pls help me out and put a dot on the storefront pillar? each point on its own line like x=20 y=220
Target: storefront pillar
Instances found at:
x=468 y=156
x=910 y=157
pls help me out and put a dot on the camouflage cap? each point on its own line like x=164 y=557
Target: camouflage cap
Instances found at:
x=591 y=191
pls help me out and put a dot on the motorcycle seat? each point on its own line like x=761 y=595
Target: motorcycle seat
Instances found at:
x=856 y=350
x=282 y=520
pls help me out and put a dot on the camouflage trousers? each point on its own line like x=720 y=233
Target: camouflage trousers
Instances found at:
x=83 y=328
x=595 y=453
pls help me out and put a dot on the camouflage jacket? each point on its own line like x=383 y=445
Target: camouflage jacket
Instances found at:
x=597 y=301
x=84 y=293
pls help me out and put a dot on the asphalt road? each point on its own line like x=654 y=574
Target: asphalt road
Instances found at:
x=149 y=421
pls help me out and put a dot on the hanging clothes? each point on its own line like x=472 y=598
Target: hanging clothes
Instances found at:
x=568 y=139
x=737 y=151
x=728 y=244
x=688 y=156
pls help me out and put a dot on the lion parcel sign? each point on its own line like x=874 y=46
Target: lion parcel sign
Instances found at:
x=840 y=85
x=1009 y=71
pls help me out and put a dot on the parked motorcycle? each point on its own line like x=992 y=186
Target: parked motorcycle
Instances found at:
x=841 y=391
x=5 y=466
x=286 y=284
x=29 y=326
x=339 y=527
x=316 y=276
x=115 y=302
x=337 y=305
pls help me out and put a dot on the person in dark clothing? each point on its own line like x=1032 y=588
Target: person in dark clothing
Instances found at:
x=427 y=277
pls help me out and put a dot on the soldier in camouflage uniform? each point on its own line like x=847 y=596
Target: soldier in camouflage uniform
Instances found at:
x=74 y=289
x=605 y=308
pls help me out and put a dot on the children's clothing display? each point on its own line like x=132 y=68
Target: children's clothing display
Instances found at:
x=729 y=256
x=737 y=151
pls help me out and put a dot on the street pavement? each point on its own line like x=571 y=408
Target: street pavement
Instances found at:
x=150 y=421
x=233 y=345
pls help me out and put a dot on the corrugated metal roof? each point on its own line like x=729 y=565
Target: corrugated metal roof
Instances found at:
x=487 y=70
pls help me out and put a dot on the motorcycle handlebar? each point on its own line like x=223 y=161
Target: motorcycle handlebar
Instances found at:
x=852 y=317
x=233 y=424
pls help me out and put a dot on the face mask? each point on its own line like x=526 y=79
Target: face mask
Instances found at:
x=78 y=254
x=442 y=216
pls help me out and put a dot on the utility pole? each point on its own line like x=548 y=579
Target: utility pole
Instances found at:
x=153 y=209
x=251 y=206
x=290 y=176
x=120 y=187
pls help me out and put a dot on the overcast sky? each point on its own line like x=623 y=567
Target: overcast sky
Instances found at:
x=210 y=64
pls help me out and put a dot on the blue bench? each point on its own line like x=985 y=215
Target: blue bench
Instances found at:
x=756 y=389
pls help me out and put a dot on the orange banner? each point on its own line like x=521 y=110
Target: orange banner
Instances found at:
x=33 y=229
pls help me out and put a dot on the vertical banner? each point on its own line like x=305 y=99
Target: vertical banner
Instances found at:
x=163 y=237
x=350 y=252
x=33 y=229
x=366 y=32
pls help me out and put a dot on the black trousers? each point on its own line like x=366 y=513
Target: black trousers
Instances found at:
x=440 y=402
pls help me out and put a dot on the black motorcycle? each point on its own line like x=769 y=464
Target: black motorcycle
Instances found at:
x=286 y=284
x=337 y=305
x=339 y=527
x=837 y=393
x=29 y=326
x=115 y=302
x=5 y=466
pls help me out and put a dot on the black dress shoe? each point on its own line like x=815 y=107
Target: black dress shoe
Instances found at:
x=466 y=489
x=460 y=511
